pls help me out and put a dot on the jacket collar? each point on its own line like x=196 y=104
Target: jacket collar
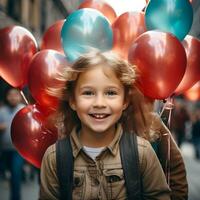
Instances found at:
x=112 y=147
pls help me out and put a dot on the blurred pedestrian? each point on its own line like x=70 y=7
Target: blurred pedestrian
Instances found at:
x=10 y=157
x=196 y=132
x=180 y=116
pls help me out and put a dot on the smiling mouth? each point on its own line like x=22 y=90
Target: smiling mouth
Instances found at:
x=99 y=116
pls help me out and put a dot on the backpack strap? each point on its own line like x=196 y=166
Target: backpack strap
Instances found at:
x=130 y=165
x=65 y=166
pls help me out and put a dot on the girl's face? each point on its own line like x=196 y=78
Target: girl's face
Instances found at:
x=99 y=99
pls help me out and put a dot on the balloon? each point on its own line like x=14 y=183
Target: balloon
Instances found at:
x=32 y=134
x=101 y=6
x=51 y=39
x=192 y=73
x=126 y=29
x=45 y=66
x=83 y=30
x=174 y=16
x=193 y=94
x=161 y=61
x=17 y=46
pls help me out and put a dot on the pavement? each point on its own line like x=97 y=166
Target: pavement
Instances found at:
x=193 y=171
x=30 y=188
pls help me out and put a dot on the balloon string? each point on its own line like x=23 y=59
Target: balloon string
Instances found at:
x=169 y=118
x=169 y=105
x=168 y=160
x=23 y=96
x=163 y=108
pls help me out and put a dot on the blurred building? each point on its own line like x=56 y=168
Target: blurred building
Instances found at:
x=195 y=29
x=35 y=15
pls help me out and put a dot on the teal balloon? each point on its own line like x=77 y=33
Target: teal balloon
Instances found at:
x=84 y=30
x=174 y=16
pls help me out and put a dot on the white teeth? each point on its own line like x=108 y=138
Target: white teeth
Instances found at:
x=99 y=116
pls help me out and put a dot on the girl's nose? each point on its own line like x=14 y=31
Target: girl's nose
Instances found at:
x=99 y=101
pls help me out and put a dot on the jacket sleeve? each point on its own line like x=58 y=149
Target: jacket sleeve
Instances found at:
x=49 y=187
x=177 y=177
x=154 y=185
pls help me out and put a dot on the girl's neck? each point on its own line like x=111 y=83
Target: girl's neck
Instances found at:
x=90 y=138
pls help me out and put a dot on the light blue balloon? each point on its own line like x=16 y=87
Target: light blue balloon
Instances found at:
x=84 y=30
x=174 y=16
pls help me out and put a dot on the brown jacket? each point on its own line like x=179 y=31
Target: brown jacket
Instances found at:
x=171 y=160
x=92 y=178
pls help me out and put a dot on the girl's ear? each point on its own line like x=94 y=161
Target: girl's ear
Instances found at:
x=72 y=104
x=126 y=100
x=126 y=103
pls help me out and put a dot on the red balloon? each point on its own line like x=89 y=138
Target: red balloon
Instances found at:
x=45 y=67
x=126 y=28
x=161 y=60
x=32 y=134
x=192 y=73
x=52 y=38
x=101 y=6
x=17 y=46
x=193 y=94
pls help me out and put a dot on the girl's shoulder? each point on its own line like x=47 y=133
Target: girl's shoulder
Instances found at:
x=50 y=154
x=145 y=152
x=142 y=143
x=144 y=147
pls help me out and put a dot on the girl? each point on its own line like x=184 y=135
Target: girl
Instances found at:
x=98 y=103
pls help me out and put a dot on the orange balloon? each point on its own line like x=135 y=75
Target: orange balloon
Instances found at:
x=52 y=39
x=193 y=94
x=192 y=73
x=161 y=60
x=101 y=6
x=126 y=29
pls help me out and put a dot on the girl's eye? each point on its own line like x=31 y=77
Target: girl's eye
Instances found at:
x=111 y=93
x=88 y=93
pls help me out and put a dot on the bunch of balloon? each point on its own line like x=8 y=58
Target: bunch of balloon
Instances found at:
x=32 y=131
x=29 y=130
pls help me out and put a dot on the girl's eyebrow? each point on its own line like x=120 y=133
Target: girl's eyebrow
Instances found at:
x=86 y=87
x=92 y=87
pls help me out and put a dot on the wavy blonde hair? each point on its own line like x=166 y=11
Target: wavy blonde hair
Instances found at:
x=134 y=117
